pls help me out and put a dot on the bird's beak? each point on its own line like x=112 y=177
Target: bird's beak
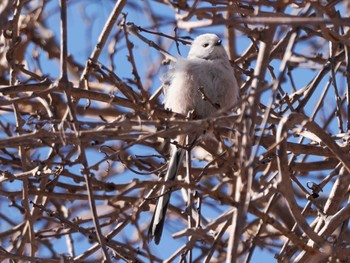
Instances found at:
x=218 y=43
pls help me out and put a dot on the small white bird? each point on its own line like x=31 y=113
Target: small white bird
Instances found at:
x=202 y=83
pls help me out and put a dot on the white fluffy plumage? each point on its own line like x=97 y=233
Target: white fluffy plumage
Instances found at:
x=207 y=66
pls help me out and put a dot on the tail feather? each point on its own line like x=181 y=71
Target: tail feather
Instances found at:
x=157 y=223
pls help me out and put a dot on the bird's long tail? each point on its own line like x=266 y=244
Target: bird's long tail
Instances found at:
x=157 y=223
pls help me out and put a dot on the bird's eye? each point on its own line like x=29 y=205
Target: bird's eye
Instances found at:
x=205 y=44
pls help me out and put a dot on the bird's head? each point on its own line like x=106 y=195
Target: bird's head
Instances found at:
x=207 y=46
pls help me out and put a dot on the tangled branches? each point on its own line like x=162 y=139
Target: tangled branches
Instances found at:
x=82 y=144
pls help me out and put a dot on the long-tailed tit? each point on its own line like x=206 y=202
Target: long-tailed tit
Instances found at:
x=202 y=83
